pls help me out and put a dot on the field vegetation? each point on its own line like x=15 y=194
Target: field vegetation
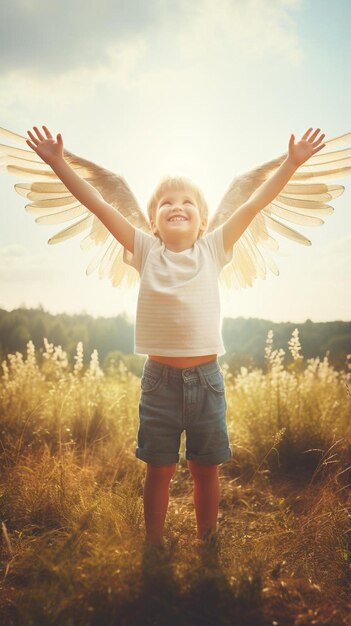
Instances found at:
x=71 y=508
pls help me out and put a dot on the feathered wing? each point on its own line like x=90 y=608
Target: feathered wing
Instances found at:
x=302 y=201
x=52 y=203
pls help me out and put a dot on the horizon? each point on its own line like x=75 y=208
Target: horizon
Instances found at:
x=132 y=321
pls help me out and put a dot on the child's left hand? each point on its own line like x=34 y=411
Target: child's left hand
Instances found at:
x=302 y=150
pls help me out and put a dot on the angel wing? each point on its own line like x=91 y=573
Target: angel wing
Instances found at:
x=301 y=201
x=52 y=203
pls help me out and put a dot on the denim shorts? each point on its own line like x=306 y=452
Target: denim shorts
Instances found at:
x=174 y=399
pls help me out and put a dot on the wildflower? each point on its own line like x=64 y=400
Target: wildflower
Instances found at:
x=94 y=370
x=295 y=346
x=6 y=371
x=49 y=348
x=55 y=354
x=278 y=436
x=31 y=360
x=276 y=360
x=269 y=344
x=79 y=359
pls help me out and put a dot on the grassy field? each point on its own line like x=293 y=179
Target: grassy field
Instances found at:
x=71 y=505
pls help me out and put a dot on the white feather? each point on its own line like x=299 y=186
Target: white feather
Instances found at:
x=301 y=202
x=52 y=203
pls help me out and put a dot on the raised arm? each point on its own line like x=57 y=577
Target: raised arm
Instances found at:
x=51 y=152
x=298 y=153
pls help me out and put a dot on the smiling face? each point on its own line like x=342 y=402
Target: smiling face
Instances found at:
x=177 y=219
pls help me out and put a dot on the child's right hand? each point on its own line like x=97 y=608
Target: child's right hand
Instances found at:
x=47 y=148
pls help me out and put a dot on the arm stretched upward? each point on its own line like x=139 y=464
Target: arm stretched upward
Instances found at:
x=52 y=153
x=298 y=153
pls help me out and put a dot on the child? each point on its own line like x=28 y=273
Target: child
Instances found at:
x=178 y=323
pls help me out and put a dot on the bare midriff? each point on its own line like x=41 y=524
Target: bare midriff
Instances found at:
x=183 y=361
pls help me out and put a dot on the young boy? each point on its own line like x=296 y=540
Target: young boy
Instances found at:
x=178 y=323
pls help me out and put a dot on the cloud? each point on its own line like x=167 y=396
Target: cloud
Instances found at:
x=60 y=56
x=18 y=264
x=249 y=28
x=44 y=37
x=75 y=85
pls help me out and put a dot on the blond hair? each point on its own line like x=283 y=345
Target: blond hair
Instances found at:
x=176 y=182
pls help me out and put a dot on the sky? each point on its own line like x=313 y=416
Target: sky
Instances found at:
x=208 y=90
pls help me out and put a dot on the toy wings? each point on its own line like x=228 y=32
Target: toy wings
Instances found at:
x=303 y=201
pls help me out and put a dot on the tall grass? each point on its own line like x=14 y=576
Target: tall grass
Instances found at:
x=304 y=408
x=71 y=508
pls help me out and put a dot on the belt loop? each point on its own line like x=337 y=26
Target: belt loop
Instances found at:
x=202 y=377
x=165 y=374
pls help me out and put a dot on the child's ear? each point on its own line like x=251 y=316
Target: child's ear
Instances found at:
x=204 y=223
x=153 y=227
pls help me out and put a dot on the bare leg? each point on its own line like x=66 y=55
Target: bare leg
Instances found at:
x=156 y=496
x=206 y=496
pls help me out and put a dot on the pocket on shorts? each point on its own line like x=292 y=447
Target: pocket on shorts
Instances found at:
x=150 y=382
x=215 y=382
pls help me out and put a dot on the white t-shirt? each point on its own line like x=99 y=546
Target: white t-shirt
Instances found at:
x=178 y=309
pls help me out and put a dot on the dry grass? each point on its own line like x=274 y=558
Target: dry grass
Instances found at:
x=71 y=501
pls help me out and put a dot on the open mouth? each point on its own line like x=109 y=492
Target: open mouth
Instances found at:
x=178 y=218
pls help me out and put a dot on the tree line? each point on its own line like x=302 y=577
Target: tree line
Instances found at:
x=113 y=338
